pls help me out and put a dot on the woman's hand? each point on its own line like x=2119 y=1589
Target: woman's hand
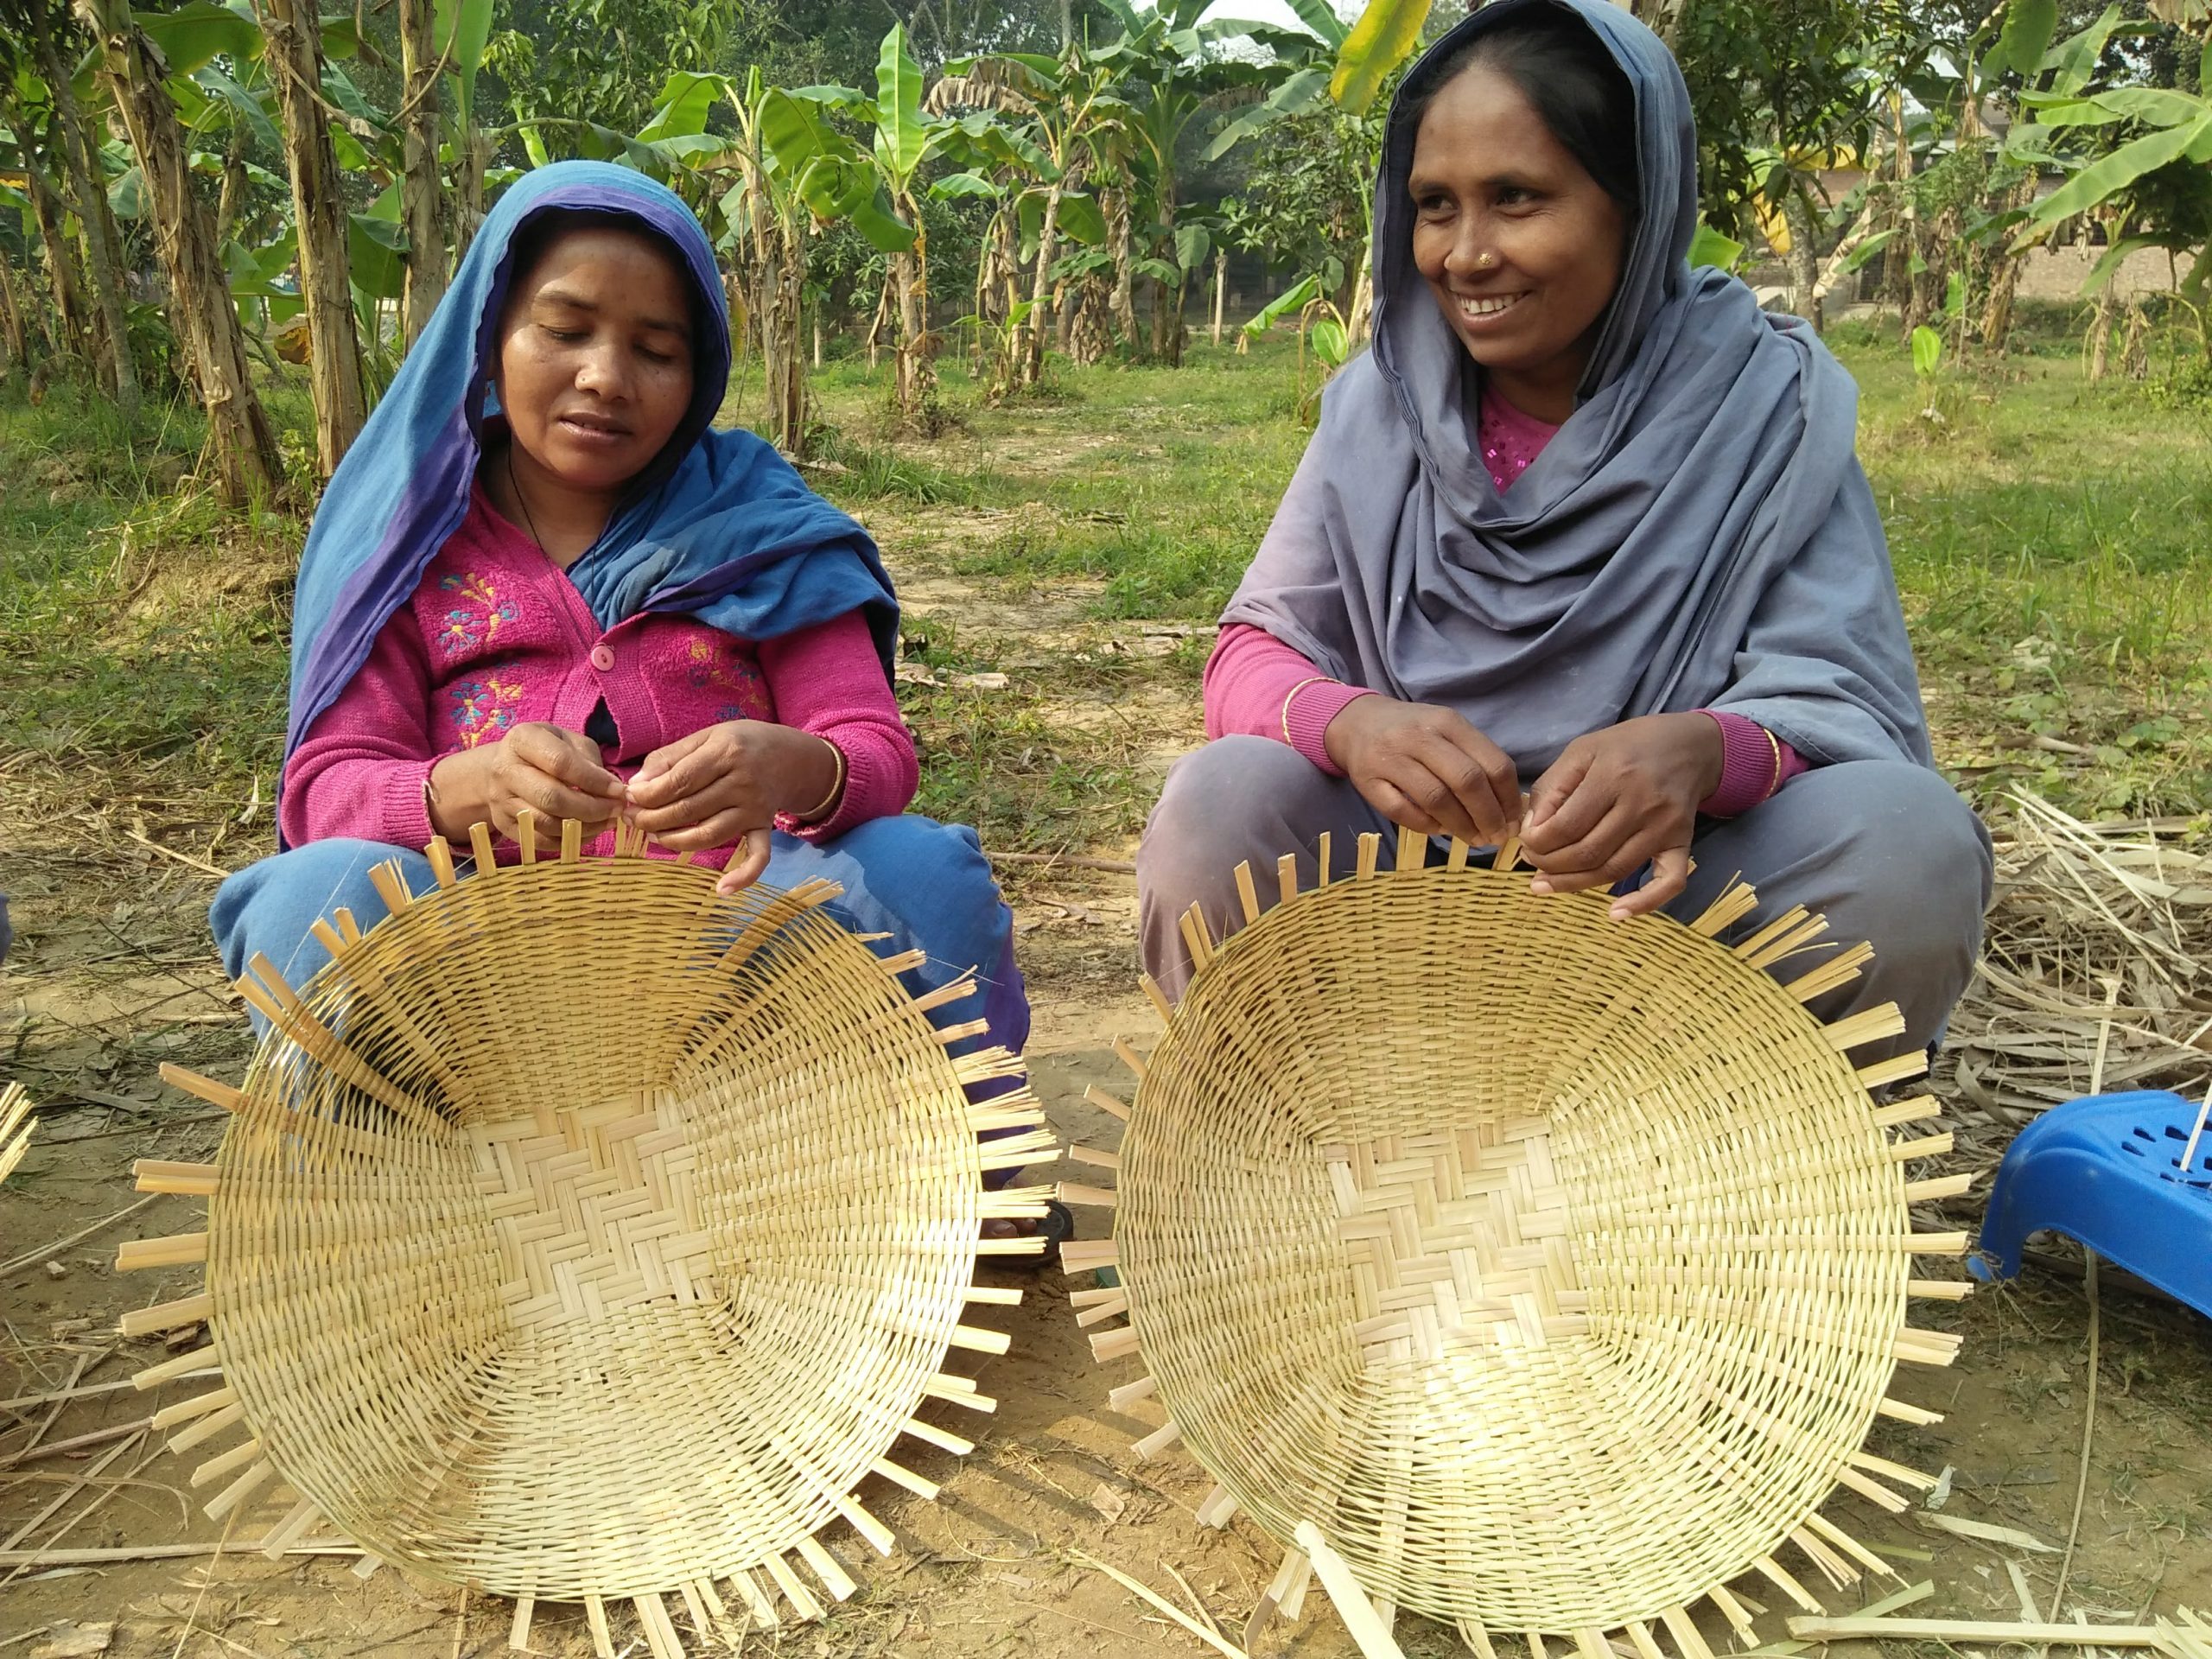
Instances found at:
x=1427 y=768
x=726 y=783
x=1618 y=799
x=554 y=772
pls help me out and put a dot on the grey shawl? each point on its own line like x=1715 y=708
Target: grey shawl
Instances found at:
x=1699 y=534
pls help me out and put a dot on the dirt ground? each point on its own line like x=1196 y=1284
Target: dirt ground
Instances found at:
x=117 y=976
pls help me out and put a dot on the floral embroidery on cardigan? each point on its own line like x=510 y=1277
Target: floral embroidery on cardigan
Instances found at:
x=478 y=621
x=714 y=666
x=482 y=709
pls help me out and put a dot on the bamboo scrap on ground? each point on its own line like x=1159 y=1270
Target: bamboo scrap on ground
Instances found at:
x=2078 y=905
x=2167 y=1638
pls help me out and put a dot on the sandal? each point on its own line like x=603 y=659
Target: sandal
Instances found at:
x=1057 y=1225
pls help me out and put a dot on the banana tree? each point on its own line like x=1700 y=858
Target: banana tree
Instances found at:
x=54 y=39
x=2152 y=169
x=1067 y=113
x=242 y=442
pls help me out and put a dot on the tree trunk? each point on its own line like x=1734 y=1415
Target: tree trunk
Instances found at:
x=422 y=204
x=1033 y=346
x=1804 y=260
x=915 y=375
x=1118 y=237
x=475 y=152
x=64 y=280
x=2005 y=276
x=2100 y=333
x=782 y=282
x=246 y=461
x=231 y=201
x=1362 y=314
x=15 y=337
x=1220 y=287
x=1168 y=298
x=103 y=241
x=294 y=59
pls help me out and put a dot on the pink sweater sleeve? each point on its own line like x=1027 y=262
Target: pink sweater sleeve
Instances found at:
x=1754 y=765
x=1248 y=678
x=827 y=680
x=361 y=771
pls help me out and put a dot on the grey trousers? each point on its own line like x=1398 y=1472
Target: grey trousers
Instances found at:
x=1886 y=850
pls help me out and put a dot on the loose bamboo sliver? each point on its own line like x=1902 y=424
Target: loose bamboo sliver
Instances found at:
x=166 y=1316
x=215 y=1094
x=803 y=1600
x=943 y=1439
x=1916 y=1111
x=298 y=1522
x=1159 y=1440
x=159 y=1175
x=1248 y=893
x=182 y=1250
x=1957 y=1632
x=1850 y=1546
x=1107 y=1104
x=602 y=1639
x=1074 y=1192
x=1128 y=1393
x=1367 y=1631
x=835 y=1579
x=1939 y=1186
x=170 y=1371
x=185 y=1410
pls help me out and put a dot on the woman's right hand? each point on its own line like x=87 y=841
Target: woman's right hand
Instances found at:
x=1427 y=768
x=555 y=773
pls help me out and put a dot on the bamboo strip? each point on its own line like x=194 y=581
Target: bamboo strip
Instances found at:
x=158 y=1175
x=1992 y=1632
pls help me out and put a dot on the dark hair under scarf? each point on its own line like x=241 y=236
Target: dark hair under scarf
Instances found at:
x=1699 y=534
x=1570 y=80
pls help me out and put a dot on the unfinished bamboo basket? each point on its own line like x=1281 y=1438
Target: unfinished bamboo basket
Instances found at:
x=1531 y=1271
x=15 y=1126
x=581 y=1235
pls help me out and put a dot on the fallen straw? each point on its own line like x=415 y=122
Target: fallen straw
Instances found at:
x=1212 y=1639
x=1973 y=1630
x=2189 y=1151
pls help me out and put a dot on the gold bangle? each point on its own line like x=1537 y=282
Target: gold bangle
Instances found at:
x=1775 y=782
x=822 y=808
x=1317 y=679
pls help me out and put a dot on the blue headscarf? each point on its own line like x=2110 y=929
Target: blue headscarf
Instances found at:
x=1698 y=534
x=719 y=527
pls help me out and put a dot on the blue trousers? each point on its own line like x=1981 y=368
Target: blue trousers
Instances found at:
x=927 y=885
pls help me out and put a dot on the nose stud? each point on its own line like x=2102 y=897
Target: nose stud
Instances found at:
x=1485 y=260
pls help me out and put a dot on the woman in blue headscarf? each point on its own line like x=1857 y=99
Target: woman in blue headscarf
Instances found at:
x=542 y=580
x=1581 y=551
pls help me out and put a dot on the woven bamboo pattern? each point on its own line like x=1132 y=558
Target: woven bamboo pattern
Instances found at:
x=583 y=1235
x=1528 y=1270
x=15 y=1126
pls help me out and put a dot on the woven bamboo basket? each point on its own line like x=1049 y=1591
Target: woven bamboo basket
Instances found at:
x=15 y=1126
x=1525 y=1269
x=581 y=1235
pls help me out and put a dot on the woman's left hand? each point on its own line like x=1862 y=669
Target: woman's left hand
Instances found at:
x=726 y=783
x=1620 y=799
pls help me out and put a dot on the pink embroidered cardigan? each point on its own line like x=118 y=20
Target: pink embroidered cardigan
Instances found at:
x=1257 y=685
x=496 y=635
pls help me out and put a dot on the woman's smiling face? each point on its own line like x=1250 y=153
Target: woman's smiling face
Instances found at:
x=596 y=357
x=1520 y=245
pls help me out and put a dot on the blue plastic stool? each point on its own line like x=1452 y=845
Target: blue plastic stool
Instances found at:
x=2106 y=1171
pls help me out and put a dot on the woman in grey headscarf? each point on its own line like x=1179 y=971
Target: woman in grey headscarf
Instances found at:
x=1586 y=523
